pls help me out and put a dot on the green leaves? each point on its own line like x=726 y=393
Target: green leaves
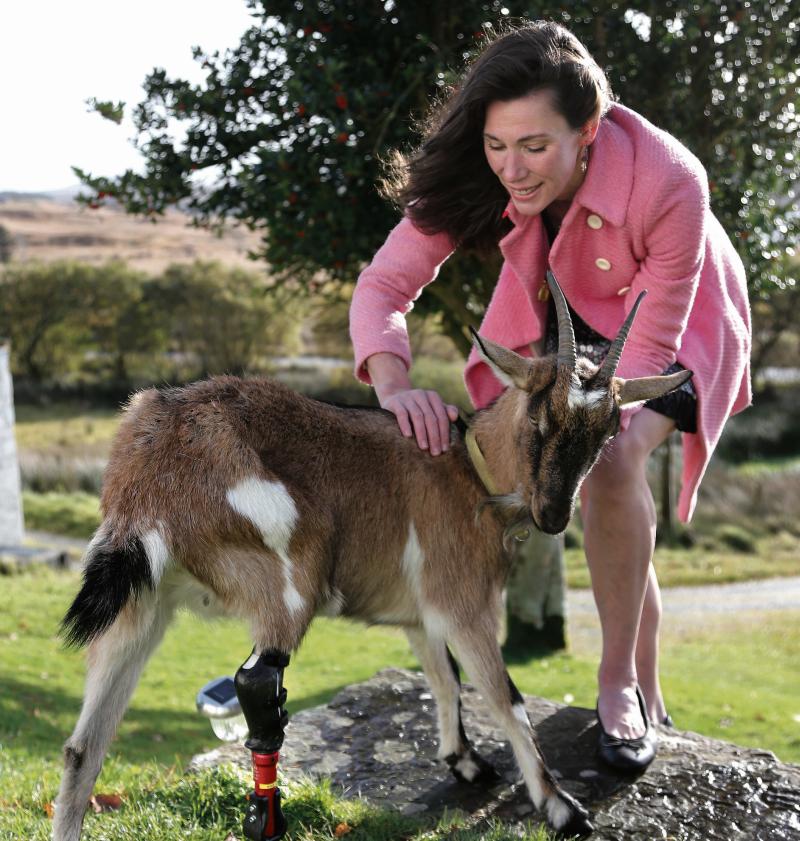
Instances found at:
x=113 y=111
x=291 y=124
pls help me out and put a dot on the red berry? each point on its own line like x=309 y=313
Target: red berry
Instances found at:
x=341 y=101
x=342 y=137
x=301 y=110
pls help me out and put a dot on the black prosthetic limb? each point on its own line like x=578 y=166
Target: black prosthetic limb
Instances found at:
x=259 y=687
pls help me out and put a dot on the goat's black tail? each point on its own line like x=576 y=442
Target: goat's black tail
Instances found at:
x=111 y=576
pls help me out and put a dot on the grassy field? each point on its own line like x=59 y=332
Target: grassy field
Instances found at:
x=734 y=681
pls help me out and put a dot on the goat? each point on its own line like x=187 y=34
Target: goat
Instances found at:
x=241 y=497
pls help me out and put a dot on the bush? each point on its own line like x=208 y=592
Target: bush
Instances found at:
x=63 y=473
x=736 y=538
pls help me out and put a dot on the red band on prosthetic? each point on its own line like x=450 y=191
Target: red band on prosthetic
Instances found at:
x=265 y=774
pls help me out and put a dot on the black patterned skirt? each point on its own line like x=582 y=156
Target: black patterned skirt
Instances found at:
x=680 y=404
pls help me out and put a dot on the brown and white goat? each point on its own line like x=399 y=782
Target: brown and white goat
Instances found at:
x=244 y=498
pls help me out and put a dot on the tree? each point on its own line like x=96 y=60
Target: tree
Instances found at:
x=220 y=320
x=42 y=309
x=294 y=121
x=117 y=323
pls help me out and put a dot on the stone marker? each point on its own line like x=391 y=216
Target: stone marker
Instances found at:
x=377 y=740
x=11 y=527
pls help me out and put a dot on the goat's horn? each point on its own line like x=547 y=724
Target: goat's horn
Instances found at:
x=609 y=366
x=567 y=353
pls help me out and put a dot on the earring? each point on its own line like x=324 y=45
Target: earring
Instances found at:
x=585 y=159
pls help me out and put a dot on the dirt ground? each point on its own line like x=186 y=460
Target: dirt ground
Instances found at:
x=48 y=230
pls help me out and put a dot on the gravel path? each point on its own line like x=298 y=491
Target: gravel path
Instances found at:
x=771 y=594
x=689 y=609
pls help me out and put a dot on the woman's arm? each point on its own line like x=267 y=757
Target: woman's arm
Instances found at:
x=386 y=290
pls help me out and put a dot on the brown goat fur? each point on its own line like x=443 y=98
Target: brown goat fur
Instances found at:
x=244 y=498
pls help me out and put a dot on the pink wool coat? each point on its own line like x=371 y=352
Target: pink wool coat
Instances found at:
x=640 y=220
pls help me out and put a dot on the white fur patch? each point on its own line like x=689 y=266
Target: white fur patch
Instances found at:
x=436 y=623
x=334 y=605
x=596 y=397
x=413 y=560
x=522 y=745
x=467 y=768
x=271 y=509
x=558 y=812
x=578 y=397
x=157 y=554
x=521 y=715
x=449 y=737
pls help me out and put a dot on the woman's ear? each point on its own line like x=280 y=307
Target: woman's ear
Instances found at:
x=589 y=132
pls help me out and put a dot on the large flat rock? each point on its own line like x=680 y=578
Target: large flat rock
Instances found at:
x=377 y=740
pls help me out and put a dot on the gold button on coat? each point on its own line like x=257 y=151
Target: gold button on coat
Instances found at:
x=624 y=290
x=594 y=221
x=602 y=263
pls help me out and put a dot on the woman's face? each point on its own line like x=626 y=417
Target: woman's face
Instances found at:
x=533 y=150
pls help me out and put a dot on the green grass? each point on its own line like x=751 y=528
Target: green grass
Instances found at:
x=760 y=466
x=733 y=681
x=208 y=806
x=41 y=699
x=71 y=514
x=64 y=426
x=774 y=556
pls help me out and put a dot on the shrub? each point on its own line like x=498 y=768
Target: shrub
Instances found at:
x=736 y=538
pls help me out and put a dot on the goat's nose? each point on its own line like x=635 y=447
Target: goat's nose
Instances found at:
x=553 y=519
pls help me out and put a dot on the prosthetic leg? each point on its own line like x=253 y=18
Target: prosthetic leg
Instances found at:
x=259 y=687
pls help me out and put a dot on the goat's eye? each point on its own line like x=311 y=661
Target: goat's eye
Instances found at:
x=533 y=421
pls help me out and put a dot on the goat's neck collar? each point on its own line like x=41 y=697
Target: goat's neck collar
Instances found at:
x=496 y=462
x=479 y=463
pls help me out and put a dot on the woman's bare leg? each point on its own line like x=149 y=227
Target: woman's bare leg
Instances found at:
x=647 y=649
x=619 y=518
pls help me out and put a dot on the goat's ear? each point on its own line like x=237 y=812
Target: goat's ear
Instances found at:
x=509 y=367
x=648 y=388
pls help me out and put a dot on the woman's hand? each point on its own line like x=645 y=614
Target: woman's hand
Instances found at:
x=421 y=414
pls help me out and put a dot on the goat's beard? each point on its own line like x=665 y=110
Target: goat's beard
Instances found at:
x=513 y=508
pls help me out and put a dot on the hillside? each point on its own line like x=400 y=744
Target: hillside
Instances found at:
x=46 y=229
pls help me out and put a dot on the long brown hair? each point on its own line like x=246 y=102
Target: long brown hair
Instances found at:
x=446 y=185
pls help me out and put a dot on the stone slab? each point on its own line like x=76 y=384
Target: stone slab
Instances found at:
x=377 y=740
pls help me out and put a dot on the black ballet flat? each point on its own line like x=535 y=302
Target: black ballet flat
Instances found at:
x=628 y=754
x=667 y=721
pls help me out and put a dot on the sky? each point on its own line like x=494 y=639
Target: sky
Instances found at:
x=54 y=55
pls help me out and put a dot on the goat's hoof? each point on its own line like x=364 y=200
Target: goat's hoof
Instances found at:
x=472 y=768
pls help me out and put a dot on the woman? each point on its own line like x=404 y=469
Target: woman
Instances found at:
x=531 y=153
